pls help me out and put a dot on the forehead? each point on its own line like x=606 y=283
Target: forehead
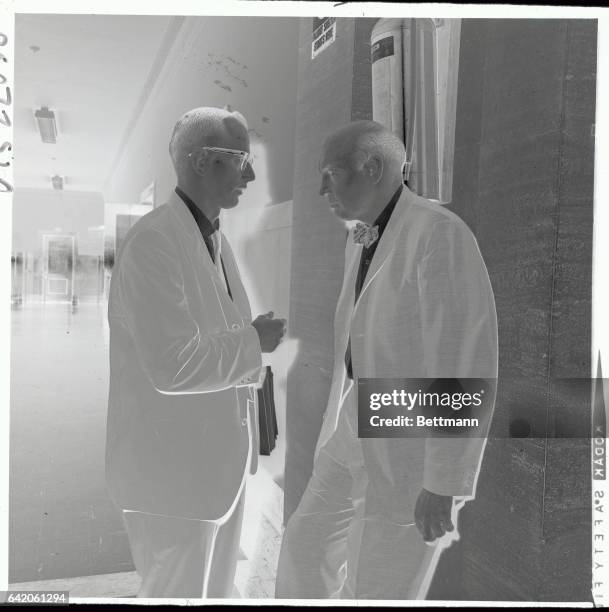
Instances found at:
x=233 y=135
x=238 y=140
x=336 y=155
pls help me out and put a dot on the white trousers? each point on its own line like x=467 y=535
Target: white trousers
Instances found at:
x=334 y=548
x=184 y=558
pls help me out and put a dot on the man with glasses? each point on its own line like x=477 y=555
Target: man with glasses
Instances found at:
x=184 y=358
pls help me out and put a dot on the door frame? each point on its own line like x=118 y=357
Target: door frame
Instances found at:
x=46 y=238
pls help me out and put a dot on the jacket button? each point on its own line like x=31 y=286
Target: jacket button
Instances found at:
x=235 y=326
x=244 y=421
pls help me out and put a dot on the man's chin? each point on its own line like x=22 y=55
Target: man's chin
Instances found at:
x=231 y=202
x=340 y=213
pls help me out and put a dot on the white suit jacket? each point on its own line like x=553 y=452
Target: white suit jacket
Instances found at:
x=183 y=361
x=426 y=310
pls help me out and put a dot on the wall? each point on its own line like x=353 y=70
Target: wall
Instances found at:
x=46 y=209
x=249 y=63
x=523 y=181
x=333 y=89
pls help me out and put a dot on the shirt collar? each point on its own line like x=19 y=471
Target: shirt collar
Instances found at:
x=383 y=218
x=205 y=225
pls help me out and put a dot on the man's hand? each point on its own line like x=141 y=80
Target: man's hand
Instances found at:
x=432 y=515
x=270 y=331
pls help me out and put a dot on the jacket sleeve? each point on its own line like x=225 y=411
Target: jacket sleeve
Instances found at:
x=459 y=336
x=175 y=353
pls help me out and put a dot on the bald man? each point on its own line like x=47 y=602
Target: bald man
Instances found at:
x=416 y=302
x=184 y=358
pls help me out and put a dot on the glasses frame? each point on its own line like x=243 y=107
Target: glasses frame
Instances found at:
x=244 y=157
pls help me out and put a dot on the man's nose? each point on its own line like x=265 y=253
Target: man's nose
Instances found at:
x=248 y=173
x=323 y=188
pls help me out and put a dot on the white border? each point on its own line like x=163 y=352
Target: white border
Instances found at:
x=600 y=309
x=313 y=9
x=6 y=135
x=304 y=9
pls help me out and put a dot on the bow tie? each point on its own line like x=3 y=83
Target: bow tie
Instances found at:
x=365 y=234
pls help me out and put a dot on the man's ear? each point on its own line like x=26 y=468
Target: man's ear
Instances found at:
x=374 y=168
x=200 y=161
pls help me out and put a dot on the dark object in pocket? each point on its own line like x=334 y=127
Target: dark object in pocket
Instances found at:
x=267 y=417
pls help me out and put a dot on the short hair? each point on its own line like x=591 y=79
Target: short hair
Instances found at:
x=359 y=140
x=199 y=127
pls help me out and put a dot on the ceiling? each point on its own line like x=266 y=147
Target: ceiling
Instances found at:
x=90 y=70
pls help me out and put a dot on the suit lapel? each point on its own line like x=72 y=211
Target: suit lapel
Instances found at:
x=193 y=234
x=344 y=305
x=342 y=322
x=347 y=294
x=199 y=255
x=387 y=243
x=233 y=277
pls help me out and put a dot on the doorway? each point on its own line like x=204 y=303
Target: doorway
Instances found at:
x=58 y=254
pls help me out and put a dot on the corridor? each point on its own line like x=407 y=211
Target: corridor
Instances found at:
x=64 y=529
x=62 y=522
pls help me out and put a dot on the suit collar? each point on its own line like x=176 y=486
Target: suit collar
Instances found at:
x=206 y=227
x=387 y=241
x=179 y=208
x=383 y=218
x=192 y=233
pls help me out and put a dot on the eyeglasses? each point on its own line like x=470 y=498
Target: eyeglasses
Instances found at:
x=243 y=157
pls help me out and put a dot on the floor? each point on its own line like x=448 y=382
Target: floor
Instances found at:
x=254 y=579
x=62 y=523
